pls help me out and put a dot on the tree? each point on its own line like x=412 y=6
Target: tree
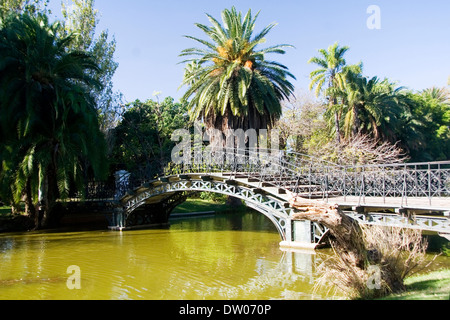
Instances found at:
x=330 y=76
x=395 y=252
x=372 y=107
x=425 y=127
x=302 y=117
x=233 y=85
x=31 y=7
x=441 y=95
x=360 y=150
x=51 y=137
x=80 y=21
x=142 y=140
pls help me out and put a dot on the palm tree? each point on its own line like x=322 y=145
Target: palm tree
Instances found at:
x=47 y=112
x=441 y=95
x=330 y=76
x=371 y=107
x=231 y=83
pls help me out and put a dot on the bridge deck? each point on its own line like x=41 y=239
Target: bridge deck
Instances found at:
x=413 y=203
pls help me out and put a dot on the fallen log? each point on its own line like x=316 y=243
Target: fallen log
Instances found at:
x=395 y=252
x=347 y=237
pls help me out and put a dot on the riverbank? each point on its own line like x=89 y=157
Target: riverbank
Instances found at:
x=432 y=286
x=201 y=205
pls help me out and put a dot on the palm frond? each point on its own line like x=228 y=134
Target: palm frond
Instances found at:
x=238 y=82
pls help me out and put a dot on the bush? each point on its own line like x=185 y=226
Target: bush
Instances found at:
x=446 y=249
x=214 y=197
x=392 y=254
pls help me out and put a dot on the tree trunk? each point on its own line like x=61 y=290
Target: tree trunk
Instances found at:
x=333 y=102
x=42 y=207
x=356 y=122
x=394 y=252
x=49 y=199
x=338 y=130
x=30 y=208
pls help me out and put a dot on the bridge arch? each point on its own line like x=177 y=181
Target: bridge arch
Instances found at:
x=263 y=178
x=178 y=187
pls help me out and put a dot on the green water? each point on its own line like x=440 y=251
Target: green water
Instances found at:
x=220 y=257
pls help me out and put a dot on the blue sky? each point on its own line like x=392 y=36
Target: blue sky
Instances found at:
x=412 y=47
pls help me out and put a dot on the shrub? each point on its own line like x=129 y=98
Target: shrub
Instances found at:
x=392 y=254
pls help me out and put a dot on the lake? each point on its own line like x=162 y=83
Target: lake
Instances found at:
x=219 y=257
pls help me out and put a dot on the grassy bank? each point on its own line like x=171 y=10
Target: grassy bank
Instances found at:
x=5 y=212
x=431 y=286
x=191 y=205
x=200 y=205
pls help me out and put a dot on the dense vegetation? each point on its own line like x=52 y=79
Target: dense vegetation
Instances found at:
x=51 y=88
x=142 y=139
x=354 y=108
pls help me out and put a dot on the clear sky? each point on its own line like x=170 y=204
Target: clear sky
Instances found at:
x=412 y=47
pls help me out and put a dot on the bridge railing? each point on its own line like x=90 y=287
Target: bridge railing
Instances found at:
x=285 y=170
x=311 y=177
x=409 y=180
x=302 y=174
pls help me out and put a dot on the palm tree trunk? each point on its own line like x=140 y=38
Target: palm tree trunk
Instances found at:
x=356 y=122
x=50 y=196
x=30 y=209
x=338 y=130
x=48 y=193
x=336 y=121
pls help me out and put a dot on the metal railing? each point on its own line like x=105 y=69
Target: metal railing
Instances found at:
x=409 y=180
x=304 y=175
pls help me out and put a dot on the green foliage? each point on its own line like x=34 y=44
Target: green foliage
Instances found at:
x=50 y=136
x=301 y=122
x=425 y=130
x=332 y=69
x=446 y=249
x=31 y=7
x=372 y=107
x=231 y=83
x=80 y=21
x=357 y=105
x=329 y=79
x=213 y=197
x=143 y=137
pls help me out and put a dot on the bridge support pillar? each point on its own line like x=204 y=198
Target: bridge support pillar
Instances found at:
x=299 y=235
x=117 y=222
x=146 y=215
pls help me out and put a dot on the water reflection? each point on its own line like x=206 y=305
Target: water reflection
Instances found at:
x=221 y=257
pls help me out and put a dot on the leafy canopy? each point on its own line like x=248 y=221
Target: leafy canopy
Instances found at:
x=50 y=132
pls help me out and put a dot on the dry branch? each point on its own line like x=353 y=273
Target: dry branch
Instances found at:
x=346 y=233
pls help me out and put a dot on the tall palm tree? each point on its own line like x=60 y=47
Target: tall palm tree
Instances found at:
x=47 y=112
x=231 y=83
x=330 y=76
